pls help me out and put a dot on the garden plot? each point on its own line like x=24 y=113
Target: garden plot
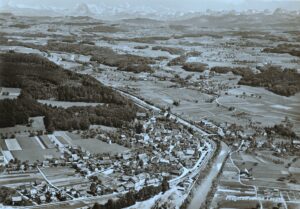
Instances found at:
x=32 y=155
x=64 y=177
x=97 y=146
x=27 y=148
x=46 y=141
x=29 y=143
x=12 y=144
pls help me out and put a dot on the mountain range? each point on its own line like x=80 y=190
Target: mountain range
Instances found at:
x=152 y=9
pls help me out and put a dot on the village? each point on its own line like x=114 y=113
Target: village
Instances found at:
x=104 y=161
x=160 y=149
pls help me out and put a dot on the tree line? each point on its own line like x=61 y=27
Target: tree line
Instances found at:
x=284 y=82
x=131 y=197
x=18 y=111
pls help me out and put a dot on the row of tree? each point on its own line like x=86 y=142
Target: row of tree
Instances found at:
x=132 y=197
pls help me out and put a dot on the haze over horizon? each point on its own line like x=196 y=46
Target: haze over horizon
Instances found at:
x=153 y=5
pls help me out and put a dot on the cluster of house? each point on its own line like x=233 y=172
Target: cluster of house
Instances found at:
x=163 y=149
x=40 y=192
x=212 y=87
x=17 y=167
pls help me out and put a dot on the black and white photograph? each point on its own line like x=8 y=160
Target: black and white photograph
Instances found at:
x=150 y=104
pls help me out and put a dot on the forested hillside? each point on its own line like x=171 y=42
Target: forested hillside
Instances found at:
x=41 y=79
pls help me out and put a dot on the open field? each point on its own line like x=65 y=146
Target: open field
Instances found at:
x=33 y=155
x=62 y=177
x=269 y=183
x=96 y=146
x=28 y=143
x=27 y=148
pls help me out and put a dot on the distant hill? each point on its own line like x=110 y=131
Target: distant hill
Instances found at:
x=233 y=19
x=166 y=9
x=141 y=21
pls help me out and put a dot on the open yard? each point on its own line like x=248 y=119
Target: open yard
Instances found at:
x=97 y=146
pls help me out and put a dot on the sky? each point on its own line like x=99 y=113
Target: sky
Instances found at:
x=178 y=5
